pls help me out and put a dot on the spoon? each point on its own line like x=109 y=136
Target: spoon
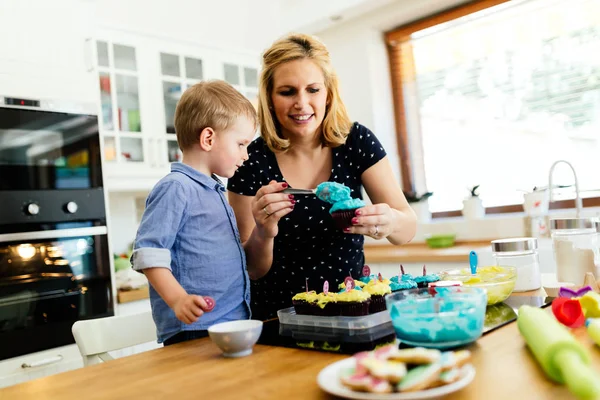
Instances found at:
x=473 y=262
x=299 y=191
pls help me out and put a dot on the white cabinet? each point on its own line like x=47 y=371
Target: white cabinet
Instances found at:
x=46 y=49
x=140 y=79
x=37 y=365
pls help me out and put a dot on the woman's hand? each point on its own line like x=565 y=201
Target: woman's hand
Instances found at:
x=269 y=206
x=375 y=221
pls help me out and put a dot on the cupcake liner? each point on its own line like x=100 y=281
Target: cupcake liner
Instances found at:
x=377 y=304
x=354 y=309
x=303 y=307
x=343 y=219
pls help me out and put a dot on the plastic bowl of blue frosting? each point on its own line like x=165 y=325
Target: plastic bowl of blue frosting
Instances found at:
x=441 y=318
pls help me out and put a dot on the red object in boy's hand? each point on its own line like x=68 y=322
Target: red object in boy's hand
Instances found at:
x=210 y=303
x=568 y=312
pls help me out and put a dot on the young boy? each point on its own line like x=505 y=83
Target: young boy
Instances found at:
x=188 y=242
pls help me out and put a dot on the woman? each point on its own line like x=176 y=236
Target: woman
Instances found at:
x=307 y=138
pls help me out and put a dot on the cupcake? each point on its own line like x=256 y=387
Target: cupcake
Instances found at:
x=343 y=205
x=312 y=303
x=354 y=302
x=305 y=303
x=425 y=279
x=357 y=284
x=402 y=285
x=377 y=290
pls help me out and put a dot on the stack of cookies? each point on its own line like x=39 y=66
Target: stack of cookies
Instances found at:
x=388 y=369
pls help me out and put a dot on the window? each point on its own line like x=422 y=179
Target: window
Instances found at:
x=494 y=95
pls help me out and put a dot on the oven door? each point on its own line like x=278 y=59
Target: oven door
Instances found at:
x=46 y=150
x=48 y=280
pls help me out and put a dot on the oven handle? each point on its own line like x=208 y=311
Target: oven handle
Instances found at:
x=53 y=234
x=45 y=361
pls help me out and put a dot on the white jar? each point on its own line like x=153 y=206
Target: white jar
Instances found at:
x=576 y=245
x=522 y=254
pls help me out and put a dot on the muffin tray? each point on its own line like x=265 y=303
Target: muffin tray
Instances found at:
x=288 y=316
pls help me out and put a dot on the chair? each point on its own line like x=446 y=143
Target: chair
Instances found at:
x=96 y=337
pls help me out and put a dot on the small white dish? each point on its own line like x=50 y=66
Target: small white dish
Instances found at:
x=329 y=380
x=552 y=289
x=236 y=338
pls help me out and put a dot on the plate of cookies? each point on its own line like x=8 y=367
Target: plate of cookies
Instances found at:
x=389 y=373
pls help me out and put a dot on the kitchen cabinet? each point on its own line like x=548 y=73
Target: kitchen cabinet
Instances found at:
x=140 y=79
x=46 y=49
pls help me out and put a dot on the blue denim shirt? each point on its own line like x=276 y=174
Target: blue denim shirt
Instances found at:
x=189 y=228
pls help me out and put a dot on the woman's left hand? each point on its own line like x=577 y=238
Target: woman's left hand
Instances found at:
x=374 y=221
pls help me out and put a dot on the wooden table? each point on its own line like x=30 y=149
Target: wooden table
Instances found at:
x=196 y=369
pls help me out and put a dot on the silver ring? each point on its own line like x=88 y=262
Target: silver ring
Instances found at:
x=266 y=212
x=376 y=230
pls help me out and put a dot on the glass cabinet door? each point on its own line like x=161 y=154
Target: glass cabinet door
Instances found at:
x=178 y=72
x=120 y=122
x=244 y=79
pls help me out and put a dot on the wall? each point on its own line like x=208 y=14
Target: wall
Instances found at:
x=238 y=25
x=360 y=57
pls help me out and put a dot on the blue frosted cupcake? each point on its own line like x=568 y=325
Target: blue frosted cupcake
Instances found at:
x=343 y=205
x=426 y=279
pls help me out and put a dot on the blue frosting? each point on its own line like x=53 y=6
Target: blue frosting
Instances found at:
x=427 y=278
x=402 y=285
x=367 y=279
x=404 y=278
x=338 y=195
x=347 y=205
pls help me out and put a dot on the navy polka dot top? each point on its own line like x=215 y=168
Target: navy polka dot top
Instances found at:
x=308 y=244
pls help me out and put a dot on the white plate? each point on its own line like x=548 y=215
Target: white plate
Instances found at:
x=329 y=381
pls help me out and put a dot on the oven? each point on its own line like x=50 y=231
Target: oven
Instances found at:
x=54 y=254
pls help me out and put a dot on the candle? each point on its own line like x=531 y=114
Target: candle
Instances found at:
x=326 y=287
x=366 y=271
x=306 y=287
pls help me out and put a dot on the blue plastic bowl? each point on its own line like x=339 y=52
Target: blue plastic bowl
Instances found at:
x=440 y=318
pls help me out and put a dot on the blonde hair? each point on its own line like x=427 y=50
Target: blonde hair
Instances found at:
x=215 y=104
x=336 y=124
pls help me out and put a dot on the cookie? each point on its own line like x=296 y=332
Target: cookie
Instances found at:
x=366 y=383
x=420 y=377
x=454 y=359
x=446 y=377
x=391 y=371
x=417 y=355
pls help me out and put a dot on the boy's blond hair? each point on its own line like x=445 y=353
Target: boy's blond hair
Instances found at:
x=336 y=124
x=215 y=104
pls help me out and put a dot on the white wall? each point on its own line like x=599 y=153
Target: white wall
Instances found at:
x=360 y=58
x=238 y=25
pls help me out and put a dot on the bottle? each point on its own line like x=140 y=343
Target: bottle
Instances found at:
x=576 y=246
x=522 y=254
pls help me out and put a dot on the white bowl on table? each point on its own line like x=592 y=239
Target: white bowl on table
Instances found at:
x=236 y=338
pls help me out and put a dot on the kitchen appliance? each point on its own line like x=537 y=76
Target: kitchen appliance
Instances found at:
x=54 y=256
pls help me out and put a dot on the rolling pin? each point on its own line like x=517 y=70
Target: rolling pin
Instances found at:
x=562 y=358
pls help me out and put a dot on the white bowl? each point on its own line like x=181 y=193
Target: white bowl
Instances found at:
x=236 y=338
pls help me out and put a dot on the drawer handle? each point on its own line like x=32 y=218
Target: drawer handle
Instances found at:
x=45 y=361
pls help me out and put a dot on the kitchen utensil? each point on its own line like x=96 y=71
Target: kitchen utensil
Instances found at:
x=441 y=318
x=473 y=262
x=299 y=191
x=440 y=241
x=329 y=381
x=562 y=358
x=236 y=338
x=498 y=281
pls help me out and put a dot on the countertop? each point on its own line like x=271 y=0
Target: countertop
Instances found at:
x=420 y=252
x=504 y=366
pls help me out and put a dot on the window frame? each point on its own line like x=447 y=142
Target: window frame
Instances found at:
x=401 y=64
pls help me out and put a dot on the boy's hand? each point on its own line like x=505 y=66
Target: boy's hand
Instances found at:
x=190 y=307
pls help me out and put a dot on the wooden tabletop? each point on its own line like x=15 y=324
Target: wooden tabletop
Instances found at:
x=504 y=370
